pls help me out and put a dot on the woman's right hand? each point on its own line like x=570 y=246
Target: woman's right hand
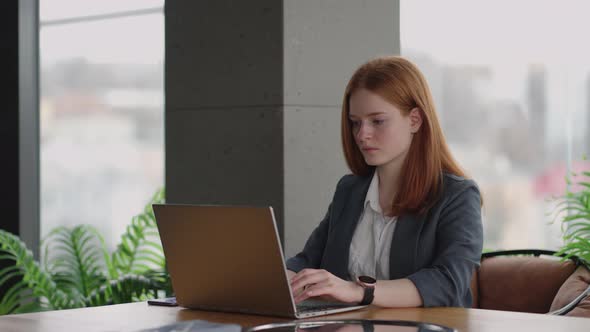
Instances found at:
x=319 y=283
x=290 y=275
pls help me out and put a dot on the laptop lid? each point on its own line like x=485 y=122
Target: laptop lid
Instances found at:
x=225 y=258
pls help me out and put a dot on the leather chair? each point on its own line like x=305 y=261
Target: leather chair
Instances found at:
x=522 y=280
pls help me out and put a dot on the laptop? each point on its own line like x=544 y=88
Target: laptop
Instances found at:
x=229 y=258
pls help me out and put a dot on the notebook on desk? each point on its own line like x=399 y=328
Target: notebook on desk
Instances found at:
x=229 y=258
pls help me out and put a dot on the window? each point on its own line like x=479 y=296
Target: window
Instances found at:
x=511 y=81
x=101 y=112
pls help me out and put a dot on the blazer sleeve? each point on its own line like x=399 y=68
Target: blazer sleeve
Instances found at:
x=312 y=253
x=459 y=241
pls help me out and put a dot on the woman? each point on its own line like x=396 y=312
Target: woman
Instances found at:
x=407 y=216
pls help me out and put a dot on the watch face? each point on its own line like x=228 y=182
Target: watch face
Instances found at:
x=367 y=279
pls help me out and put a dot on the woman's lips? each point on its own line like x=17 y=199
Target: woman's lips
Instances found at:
x=369 y=149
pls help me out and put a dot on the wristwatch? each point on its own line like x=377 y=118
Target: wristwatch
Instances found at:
x=368 y=284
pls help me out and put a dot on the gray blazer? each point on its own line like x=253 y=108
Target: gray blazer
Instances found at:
x=438 y=250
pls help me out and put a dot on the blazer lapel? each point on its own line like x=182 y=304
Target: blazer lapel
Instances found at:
x=346 y=225
x=402 y=257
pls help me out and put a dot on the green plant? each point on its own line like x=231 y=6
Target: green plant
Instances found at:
x=78 y=270
x=574 y=206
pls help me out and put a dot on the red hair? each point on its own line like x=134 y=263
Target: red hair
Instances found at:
x=401 y=83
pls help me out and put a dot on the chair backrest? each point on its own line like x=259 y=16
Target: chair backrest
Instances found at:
x=519 y=283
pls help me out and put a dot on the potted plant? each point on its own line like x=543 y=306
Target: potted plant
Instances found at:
x=78 y=271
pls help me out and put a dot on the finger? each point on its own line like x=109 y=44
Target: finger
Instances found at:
x=307 y=273
x=301 y=277
x=303 y=273
x=296 y=292
x=305 y=282
x=309 y=279
x=318 y=289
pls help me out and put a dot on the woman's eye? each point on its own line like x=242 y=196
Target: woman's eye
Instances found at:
x=355 y=123
x=378 y=121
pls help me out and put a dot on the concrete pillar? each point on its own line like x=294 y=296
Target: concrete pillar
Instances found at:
x=253 y=100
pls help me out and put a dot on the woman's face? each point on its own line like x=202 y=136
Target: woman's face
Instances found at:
x=381 y=132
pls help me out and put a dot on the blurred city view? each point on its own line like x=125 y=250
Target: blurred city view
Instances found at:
x=101 y=112
x=513 y=98
x=514 y=109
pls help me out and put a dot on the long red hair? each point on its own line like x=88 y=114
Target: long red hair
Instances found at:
x=401 y=83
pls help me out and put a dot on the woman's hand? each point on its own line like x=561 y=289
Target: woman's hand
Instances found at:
x=314 y=283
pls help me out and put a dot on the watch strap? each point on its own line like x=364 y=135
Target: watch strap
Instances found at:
x=368 y=295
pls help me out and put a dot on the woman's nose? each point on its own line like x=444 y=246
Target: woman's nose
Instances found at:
x=363 y=132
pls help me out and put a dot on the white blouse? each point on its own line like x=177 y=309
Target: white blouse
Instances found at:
x=371 y=242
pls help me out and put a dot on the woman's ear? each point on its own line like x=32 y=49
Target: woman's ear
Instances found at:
x=415 y=119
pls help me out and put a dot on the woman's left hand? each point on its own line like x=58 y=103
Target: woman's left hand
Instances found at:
x=314 y=283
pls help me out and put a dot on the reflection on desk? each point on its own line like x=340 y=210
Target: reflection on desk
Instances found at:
x=194 y=326
x=351 y=325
